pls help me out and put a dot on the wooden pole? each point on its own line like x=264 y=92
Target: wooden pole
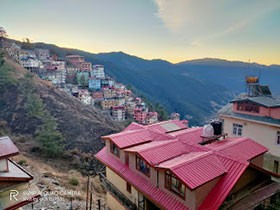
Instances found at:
x=87 y=193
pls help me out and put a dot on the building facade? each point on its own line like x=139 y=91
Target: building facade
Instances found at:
x=256 y=115
x=98 y=71
x=166 y=166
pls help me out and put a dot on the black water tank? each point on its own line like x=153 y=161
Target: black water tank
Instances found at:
x=217 y=125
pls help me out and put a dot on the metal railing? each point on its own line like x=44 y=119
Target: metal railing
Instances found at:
x=116 y=193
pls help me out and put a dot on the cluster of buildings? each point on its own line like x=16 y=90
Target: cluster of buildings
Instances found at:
x=232 y=163
x=87 y=82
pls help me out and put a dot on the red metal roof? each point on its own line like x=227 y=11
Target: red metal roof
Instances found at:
x=158 y=196
x=130 y=138
x=167 y=126
x=7 y=147
x=133 y=137
x=133 y=126
x=221 y=190
x=158 y=151
x=195 y=168
x=190 y=135
x=238 y=148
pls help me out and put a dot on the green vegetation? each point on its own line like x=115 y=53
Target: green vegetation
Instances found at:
x=74 y=181
x=5 y=73
x=46 y=134
x=22 y=162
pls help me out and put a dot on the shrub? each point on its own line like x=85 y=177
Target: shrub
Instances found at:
x=74 y=181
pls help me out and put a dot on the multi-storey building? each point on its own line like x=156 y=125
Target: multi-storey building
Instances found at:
x=140 y=115
x=118 y=113
x=75 y=60
x=98 y=96
x=85 y=66
x=109 y=103
x=16 y=190
x=170 y=166
x=98 y=71
x=94 y=83
x=109 y=93
x=152 y=117
x=256 y=115
x=42 y=54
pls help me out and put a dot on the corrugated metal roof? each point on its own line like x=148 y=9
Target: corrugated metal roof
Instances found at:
x=190 y=135
x=267 y=101
x=133 y=126
x=221 y=190
x=130 y=138
x=134 y=137
x=142 y=184
x=7 y=147
x=238 y=148
x=159 y=151
x=167 y=126
x=195 y=168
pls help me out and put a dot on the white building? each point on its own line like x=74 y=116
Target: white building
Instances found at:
x=118 y=113
x=98 y=71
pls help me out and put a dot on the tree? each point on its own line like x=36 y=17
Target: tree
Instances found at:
x=27 y=45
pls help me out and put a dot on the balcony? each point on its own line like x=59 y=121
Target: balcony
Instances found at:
x=116 y=193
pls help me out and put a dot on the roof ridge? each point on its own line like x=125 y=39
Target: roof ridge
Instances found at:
x=224 y=155
x=206 y=153
x=164 y=142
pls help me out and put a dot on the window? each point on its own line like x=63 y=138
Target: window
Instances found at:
x=175 y=185
x=248 y=107
x=237 y=129
x=128 y=187
x=142 y=165
x=278 y=137
x=275 y=166
x=114 y=149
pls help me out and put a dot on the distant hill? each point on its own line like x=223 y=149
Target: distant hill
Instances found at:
x=196 y=89
x=231 y=74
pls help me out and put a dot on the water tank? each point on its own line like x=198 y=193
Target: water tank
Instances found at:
x=217 y=126
x=208 y=131
x=252 y=79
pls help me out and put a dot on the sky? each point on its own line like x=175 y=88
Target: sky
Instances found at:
x=173 y=30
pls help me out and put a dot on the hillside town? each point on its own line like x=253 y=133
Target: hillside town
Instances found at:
x=232 y=162
x=88 y=82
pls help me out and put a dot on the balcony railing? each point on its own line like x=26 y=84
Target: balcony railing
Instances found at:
x=117 y=193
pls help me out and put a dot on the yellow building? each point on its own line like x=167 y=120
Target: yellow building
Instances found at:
x=169 y=166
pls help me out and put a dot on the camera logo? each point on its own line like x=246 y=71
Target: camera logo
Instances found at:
x=13 y=195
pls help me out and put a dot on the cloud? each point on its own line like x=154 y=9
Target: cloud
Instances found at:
x=211 y=18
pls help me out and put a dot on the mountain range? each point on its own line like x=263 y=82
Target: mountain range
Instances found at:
x=196 y=89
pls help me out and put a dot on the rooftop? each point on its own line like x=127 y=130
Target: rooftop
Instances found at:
x=227 y=110
x=263 y=100
x=7 y=147
x=171 y=146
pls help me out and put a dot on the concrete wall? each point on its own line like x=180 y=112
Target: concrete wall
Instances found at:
x=113 y=203
x=3 y=165
x=261 y=133
x=120 y=183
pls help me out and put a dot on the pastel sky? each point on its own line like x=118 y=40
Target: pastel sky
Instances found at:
x=174 y=30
